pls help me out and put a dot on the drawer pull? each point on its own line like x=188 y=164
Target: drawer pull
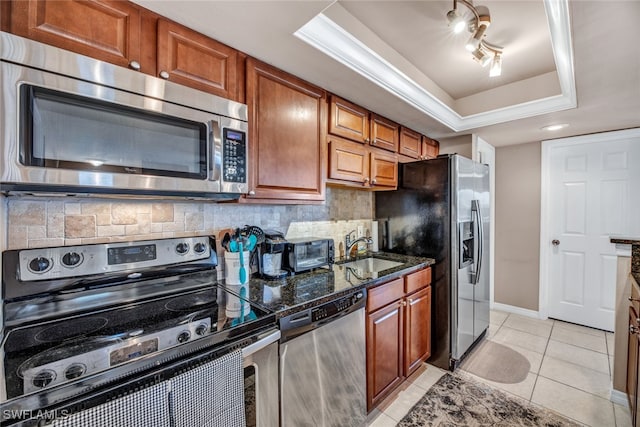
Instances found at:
x=633 y=329
x=135 y=65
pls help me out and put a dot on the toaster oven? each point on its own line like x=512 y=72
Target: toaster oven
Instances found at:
x=308 y=253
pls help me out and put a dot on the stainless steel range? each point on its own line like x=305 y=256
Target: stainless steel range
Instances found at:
x=85 y=325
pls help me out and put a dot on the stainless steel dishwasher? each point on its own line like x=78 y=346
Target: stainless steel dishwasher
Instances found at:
x=322 y=364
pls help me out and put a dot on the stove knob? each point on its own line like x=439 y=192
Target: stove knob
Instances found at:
x=202 y=329
x=182 y=248
x=74 y=371
x=199 y=248
x=184 y=336
x=43 y=378
x=71 y=259
x=40 y=265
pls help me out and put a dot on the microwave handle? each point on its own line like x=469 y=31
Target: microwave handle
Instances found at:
x=215 y=150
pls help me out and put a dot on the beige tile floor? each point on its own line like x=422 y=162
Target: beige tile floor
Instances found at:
x=570 y=372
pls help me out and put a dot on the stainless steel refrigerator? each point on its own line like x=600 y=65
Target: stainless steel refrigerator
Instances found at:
x=441 y=210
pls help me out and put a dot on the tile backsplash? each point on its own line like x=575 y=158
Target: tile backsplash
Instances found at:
x=43 y=221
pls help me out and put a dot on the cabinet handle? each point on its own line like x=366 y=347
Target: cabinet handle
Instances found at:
x=404 y=303
x=410 y=301
x=373 y=182
x=366 y=180
x=135 y=65
x=633 y=329
x=367 y=140
x=252 y=193
x=164 y=74
x=632 y=299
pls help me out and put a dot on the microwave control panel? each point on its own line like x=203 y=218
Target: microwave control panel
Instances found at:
x=234 y=155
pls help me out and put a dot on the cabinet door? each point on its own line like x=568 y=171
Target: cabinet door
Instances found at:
x=384 y=352
x=348 y=120
x=410 y=143
x=348 y=161
x=430 y=148
x=384 y=169
x=384 y=133
x=632 y=365
x=105 y=30
x=192 y=59
x=287 y=137
x=417 y=330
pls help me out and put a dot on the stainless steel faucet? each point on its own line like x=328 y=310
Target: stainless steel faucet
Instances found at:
x=349 y=244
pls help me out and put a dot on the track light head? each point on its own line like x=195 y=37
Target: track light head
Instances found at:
x=480 y=49
x=496 y=66
x=456 y=21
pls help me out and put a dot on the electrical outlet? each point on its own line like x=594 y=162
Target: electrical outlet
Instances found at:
x=360 y=231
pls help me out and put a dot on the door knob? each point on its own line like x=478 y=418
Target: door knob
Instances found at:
x=555 y=242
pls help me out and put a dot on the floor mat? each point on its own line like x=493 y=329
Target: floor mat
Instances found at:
x=498 y=363
x=458 y=400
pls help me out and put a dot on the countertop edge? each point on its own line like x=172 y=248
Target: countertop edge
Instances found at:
x=369 y=284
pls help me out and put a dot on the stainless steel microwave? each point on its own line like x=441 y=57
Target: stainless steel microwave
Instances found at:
x=74 y=125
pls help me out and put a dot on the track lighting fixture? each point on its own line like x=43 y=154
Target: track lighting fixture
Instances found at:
x=481 y=50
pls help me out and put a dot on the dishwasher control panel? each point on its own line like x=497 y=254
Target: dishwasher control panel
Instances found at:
x=335 y=307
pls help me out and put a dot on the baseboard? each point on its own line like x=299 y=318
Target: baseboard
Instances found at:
x=619 y=398
x=516 y=310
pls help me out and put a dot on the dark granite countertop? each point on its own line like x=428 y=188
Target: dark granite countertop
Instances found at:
x=305 y=290
x=626 y=240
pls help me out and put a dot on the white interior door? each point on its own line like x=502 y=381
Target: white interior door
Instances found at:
x=592 y=194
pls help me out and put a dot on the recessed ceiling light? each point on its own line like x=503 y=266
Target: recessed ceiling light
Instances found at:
x=555 y=127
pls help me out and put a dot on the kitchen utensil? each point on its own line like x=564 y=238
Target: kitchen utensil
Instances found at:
x=243 y=271
x=253 y=230
x=252 y=240
x=233 y=245
x=225 y=241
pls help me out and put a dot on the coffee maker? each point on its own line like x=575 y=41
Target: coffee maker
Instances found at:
x=270 y=255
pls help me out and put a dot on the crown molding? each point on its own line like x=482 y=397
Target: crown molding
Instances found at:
x=331 y=39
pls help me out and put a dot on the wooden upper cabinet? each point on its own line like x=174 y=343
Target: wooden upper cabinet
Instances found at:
x=354 y=164
x=410 y=143
x=192 y=59
x=384 y=133
x=430 y=148
x=105 y=30
x=348 y=161
x=348 y=120
x=287 y=135
x=384 y=169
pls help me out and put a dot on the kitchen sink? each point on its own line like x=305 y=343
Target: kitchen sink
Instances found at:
x=368 y=268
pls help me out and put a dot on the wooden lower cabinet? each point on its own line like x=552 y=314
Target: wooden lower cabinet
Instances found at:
x=417 y=336
x=398 y=333
x=384 y=352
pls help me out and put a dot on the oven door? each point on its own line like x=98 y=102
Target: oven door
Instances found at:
x=261 y=387
x=62 y=134
x=193 y=397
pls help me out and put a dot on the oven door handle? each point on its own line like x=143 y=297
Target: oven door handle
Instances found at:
x=264 y=340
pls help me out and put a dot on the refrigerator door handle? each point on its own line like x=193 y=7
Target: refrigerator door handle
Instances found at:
x=479 y=236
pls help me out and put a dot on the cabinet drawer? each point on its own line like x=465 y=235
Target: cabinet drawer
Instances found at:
x=384 y=294
x=417 y=280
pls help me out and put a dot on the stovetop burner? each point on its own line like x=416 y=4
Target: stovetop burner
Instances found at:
x=68 y=331
x=191 y=302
